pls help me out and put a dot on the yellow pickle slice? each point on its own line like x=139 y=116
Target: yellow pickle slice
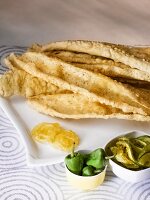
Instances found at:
x=56 y=135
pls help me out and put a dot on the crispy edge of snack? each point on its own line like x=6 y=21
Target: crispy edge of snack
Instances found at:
x=115 y=71
x=100 y=64
x=79 y=57
x=6 y=85
x=119 y=53
x=44 y=108
x=25 y=84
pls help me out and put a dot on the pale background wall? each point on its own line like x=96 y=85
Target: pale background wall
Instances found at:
x=23 y=22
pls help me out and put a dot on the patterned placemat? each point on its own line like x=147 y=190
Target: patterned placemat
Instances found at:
x=19 y=182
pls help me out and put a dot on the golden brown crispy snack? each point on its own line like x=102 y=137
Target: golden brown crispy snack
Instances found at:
x=103 y=65
x=118 y=53
x=18 y=82
x=133 y=82
x=35 y=48
x=78 y=106
x=95 y=86
x=116 y=71
x=140 y=52
x=75 y=56
x=78 y=57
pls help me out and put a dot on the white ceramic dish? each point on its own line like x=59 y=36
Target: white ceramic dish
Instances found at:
x=93 y=133
x=127 y=174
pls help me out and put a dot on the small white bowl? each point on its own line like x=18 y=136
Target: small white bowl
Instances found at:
x=85 y=182
x=127 y=174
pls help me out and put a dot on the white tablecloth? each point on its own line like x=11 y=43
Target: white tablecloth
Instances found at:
x=20 y=182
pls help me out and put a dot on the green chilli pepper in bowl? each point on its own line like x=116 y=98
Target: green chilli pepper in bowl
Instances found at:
x=86 y=170
x=74 y=162
x=87 y=164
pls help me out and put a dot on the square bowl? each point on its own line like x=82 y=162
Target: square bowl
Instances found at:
x=124 y=173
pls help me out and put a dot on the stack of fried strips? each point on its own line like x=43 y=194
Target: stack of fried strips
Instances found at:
x=82 y=79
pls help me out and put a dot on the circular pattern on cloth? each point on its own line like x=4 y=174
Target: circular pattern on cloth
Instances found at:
x=5 y=51
x=5 y=123
x=24 y=185
x=56 y=172
x=139 y=191
x=112 y=188
x=7 y=144
x=12 y=152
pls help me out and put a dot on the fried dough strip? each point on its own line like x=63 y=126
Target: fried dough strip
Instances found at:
x=78 y=57
x=116 y=71
x=78 y=106
x=103 y=65
x=118 y=53
x=133 y=82
x=140 y=51
x=94 y=86
x=18 y=82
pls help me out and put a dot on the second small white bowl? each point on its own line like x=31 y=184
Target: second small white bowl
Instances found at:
x=124 y=173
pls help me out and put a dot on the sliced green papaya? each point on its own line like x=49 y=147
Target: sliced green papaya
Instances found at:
x=121 y=156
x=144 y=138
x=127 y=148
x=136 y=150
x=146 y=149
x=138 y=143
x=132 y=166
x=144 y=160
x=124 y=138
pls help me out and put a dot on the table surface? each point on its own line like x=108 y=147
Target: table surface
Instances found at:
x=25 y=22
x=20 y=182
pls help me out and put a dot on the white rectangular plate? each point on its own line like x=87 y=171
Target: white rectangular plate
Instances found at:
x=93 y=133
